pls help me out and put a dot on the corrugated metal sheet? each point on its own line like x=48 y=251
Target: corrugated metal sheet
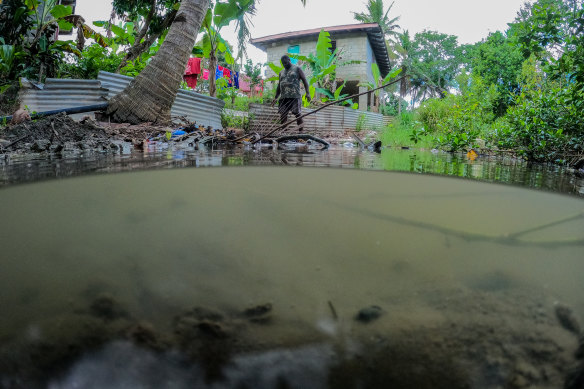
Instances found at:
x=264 y=118
x=195 y=107
x=61 y=93
x=67 y=93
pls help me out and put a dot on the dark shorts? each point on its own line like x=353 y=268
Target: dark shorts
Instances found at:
x=289 y=105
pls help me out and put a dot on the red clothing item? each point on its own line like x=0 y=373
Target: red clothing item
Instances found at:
x=205 y=74
x=226 y=73
x=193 y=66
x=191 y=80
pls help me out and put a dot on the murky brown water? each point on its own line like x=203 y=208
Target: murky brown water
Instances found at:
x=303 y=278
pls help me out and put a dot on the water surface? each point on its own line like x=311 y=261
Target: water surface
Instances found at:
x=493 y=169
x=271 y=277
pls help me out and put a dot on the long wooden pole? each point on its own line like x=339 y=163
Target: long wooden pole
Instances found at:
x=323 y=107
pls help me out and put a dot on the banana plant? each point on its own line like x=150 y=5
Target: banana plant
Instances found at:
x=328 y=96
x=212 y=43
x=52 y=14
x=322 y=65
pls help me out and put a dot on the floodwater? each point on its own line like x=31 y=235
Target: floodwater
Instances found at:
x=283 y=277
x=493 y=169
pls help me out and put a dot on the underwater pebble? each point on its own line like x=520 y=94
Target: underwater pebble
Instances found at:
x=369 y=314
x=566 y=317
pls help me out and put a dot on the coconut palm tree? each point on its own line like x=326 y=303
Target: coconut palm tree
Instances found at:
x=400 y=52
x=243 y=23
x=376 y=14
x=151 y=94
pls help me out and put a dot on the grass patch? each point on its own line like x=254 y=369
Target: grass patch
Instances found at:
x=404 y=132
x=241 y=103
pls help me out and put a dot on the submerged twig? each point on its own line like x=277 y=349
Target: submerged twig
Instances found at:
x=508 y=239
x=333 y=310
x=546 y=225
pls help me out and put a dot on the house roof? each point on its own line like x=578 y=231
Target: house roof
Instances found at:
x=373 y=31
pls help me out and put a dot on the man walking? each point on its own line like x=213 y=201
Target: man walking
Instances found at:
x=288 y=91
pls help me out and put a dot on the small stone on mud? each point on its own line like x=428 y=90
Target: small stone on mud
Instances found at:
x=144 y=334
x=40 y=145
x=259 y=314
x=107 y=308
x=213 y=329
x=258 y=310
x=567 y=318
x=202 y=313
x=369 y=314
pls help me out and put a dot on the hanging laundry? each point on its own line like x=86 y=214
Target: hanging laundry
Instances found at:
x=219 y=72
x=226 y=73
x=191 y=80
x=193 y=66
x=236 y=80
x=205 y=74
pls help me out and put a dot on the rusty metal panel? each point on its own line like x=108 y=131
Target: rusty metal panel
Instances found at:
x=194 y=106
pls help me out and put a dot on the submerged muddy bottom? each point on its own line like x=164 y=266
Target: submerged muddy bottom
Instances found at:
x=288 y=278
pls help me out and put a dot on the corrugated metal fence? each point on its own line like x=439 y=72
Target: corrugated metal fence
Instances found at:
x=195 y=107
x=59 y=93
x=263 y=118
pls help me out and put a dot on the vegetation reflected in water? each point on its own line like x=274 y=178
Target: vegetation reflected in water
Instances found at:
x=493 y=169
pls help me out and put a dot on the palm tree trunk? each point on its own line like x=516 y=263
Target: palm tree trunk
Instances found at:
x=151 y=94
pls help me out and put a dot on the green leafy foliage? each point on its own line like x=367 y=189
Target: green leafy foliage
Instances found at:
x=457 y=120
x=525 y=92
x=498 y=60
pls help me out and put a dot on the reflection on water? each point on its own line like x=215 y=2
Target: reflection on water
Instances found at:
x=494 y=169
x=272 y=277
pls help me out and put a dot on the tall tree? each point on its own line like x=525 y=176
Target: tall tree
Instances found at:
x=498 y=61
x=400 y=52
x=150 y=96
x=243 y=23
x=377 y=14
x=435 y=64
x=152 y=19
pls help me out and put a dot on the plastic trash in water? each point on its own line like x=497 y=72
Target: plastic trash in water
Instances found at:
x=178 y=133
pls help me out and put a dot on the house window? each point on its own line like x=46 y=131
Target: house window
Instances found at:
x=295 y=49
x=333 y=46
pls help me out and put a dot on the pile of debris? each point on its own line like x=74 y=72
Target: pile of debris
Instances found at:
x=55 y=134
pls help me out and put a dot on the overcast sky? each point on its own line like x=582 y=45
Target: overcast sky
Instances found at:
x=470 y=20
